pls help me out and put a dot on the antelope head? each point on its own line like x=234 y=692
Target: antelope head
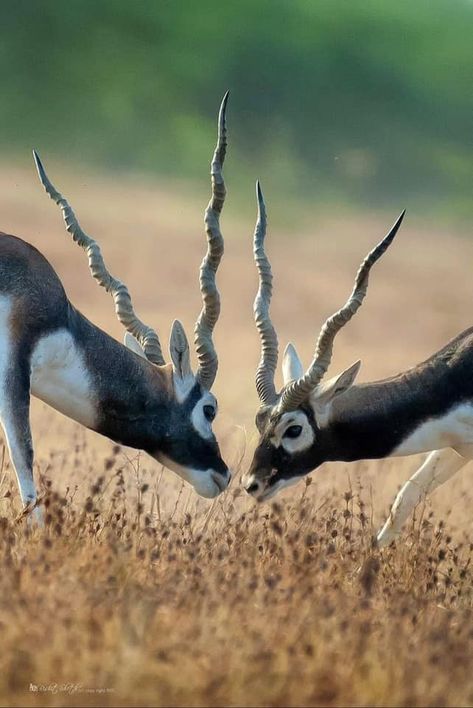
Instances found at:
x=292 y=422
x=175 y=425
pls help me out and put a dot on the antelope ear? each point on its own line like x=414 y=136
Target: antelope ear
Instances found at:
x=133 y=344
x=327 y=391
x=179 y=351
x=292 y=368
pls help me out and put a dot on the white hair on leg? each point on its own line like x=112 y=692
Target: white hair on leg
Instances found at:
x=21 y=456
x=14 y=413
x=439 y=467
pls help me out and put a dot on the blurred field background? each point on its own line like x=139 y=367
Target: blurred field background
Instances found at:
x=362 y=102
x=347 y=112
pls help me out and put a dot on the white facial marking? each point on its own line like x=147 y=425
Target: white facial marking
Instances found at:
x=200 y=423
x=454 y=428
x=207 y=483
x=293 y=445
x=59 y=377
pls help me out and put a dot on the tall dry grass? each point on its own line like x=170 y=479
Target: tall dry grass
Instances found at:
x=118 y=603
x=139 y=593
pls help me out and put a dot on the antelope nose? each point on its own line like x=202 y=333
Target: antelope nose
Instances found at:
x=222 y=478
x=253 y=486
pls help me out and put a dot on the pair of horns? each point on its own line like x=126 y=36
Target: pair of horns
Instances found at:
x=145 y=335
x=295 y=392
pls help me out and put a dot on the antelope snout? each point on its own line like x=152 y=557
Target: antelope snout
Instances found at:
x=221 y=479
x=252 y=486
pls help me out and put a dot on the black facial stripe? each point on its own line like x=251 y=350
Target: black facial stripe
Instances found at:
x=296 y=465
x=193 y=451
x=194 y=396
x=308 y=410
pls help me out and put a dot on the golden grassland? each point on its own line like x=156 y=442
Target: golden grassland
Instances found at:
x=139 y=593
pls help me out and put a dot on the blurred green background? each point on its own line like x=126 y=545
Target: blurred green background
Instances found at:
x=359 y=102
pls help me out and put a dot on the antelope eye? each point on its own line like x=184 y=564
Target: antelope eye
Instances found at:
x=293 y=431
x=210 y=412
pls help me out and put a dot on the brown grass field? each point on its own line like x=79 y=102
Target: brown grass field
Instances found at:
x=138 y=593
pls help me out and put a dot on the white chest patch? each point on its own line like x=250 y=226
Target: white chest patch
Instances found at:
x=200 y=423
x=59 y=377
x=454 y=428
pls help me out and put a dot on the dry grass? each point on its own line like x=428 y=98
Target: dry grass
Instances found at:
x=138 y=593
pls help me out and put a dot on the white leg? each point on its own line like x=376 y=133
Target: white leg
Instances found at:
x=439 y=466
x=14 y=417
x=15 y=404
x=21 y=457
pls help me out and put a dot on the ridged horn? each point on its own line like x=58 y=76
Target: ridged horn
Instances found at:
x=145 y=335
x=269 y=340
x=206 y=353
x=297 y=391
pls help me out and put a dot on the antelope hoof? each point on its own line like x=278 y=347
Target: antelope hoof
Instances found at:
x=33 y=514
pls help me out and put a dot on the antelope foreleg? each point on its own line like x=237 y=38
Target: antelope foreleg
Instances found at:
x=14 y=417
x=439 y=466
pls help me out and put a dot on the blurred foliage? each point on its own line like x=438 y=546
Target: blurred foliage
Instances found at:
x=360 y=99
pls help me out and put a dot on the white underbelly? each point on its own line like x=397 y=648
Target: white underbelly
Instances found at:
x=452 y=429
x=59 y=377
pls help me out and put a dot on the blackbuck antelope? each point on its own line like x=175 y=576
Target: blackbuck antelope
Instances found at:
x=127 y=393
x=310 y=421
